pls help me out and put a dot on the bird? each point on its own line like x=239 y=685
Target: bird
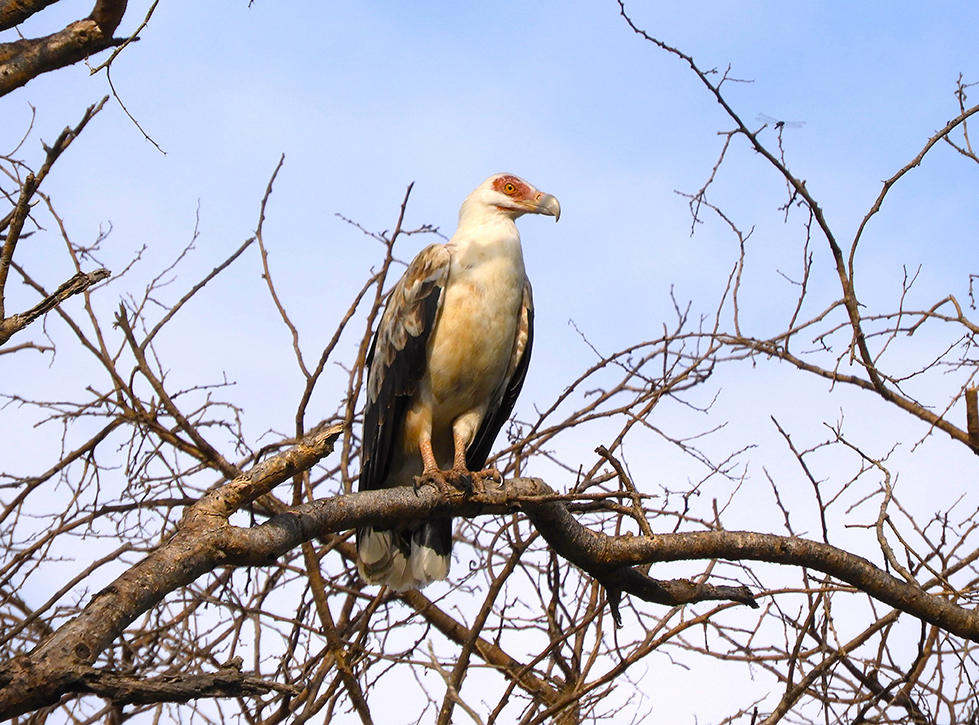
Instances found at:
x=444 y=370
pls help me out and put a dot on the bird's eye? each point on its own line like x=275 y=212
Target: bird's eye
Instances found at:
x=509 y=188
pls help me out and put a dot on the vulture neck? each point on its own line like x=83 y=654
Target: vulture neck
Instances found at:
x=485 y=233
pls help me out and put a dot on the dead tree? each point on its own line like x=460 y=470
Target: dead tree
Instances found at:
x=166 y=563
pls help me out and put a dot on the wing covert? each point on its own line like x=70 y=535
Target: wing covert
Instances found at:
x=396 y=362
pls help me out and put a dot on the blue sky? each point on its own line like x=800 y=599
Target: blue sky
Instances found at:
x=364 y=98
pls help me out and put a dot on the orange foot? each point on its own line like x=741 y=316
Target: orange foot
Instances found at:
x=488 y=474
x=456 y=479
x=447 y=482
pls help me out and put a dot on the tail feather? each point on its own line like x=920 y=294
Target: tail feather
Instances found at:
x=405 y=558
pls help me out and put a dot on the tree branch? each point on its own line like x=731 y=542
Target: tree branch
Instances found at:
x=76 y=285
x=14 y=12
x=205 y=540
x=23 y=60
x=61 y=662
x=229 y=681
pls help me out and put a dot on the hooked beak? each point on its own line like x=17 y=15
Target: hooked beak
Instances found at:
x=546 y=204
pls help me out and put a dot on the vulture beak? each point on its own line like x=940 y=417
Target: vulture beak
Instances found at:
x=546 y=204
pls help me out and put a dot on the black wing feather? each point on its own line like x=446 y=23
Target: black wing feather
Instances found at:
x=397 y=359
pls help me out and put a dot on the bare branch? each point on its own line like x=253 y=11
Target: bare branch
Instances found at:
x=76 y=285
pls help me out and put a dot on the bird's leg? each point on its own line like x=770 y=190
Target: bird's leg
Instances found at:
x=431 y=474
x=459 y=475
x=429 y=465
x=448 y=482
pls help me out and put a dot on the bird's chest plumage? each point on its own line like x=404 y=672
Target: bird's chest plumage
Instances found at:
x=473 y=340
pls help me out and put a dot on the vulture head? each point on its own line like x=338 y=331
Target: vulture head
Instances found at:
x=512 y=196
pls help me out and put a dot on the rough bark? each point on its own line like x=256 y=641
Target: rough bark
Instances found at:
x=23 y=60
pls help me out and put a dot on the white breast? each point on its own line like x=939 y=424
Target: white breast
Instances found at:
x=471 y=345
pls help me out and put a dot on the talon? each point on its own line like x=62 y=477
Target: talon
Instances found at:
x=493 y=474
x=460 y=479
x=435 y=479
x=447 y=482
x=480 y=479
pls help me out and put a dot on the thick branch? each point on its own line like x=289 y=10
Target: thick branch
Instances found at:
x=229 y=681
x=792 y=551
x=14 y=12
x=23 y=60
x=609 y=559
x=59 y=664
